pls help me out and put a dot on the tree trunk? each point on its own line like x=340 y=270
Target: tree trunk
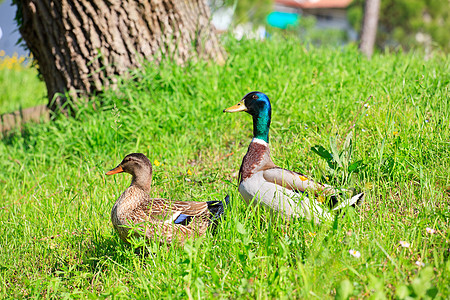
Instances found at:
x=369 y=27
x=81 y=46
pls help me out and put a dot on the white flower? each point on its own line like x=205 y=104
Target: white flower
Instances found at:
x=430 y=230
x=363 y=130
x=420 y=264
x=404 y=244
x=355 y=253
x=367 y=105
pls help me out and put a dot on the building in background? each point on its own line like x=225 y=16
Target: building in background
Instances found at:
x=329 y=14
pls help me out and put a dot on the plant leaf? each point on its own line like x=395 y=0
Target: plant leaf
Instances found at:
x=322 y=152
x=334 y=151
x=356 y=166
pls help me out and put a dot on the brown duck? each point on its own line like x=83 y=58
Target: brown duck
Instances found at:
x=157 y=218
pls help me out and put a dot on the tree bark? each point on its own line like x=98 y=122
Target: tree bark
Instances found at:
x=80 y=46
x=369 y=27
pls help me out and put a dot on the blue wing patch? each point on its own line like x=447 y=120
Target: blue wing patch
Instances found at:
x=181 y=218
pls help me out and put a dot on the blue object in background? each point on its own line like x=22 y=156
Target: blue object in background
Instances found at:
x=282 y=20
x=11 y=35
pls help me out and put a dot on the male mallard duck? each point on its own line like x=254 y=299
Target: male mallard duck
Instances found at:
x=155 y=217
x=276 y=188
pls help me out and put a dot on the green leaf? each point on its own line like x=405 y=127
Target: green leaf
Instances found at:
x=334 y=151
x=402 y=292
x=240 y=228
x=344 y=290
x=322 y=152
x=348 y=141
x=356 y=166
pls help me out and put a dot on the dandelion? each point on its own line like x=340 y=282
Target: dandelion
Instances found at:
x=312 y=234
x=355 y=253
x=395 y=133
x=430 y=230
x=404 y=244
x=189 y=172
x=156 y=163
x=419 y=263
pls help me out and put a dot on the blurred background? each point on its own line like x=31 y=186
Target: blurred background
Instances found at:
x=403 y=25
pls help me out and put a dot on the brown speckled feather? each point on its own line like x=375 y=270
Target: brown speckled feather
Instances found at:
x=256 y=159
x=155 y=216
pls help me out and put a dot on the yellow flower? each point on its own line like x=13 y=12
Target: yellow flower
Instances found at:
x=189 y=172
x=2 y=52
x=156 y=163
x=395 y=133
x=312 y=234
x=321 y=199
x=302 y=178
x=368 y=186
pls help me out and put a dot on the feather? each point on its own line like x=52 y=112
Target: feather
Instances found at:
x=183 y=219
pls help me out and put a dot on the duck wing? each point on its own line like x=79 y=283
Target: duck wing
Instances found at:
x=169 y=211
x=296 y=181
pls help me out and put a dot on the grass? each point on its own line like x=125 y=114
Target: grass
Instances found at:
x=57 y=240
x=19 y=85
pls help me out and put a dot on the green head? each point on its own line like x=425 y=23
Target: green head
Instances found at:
x=256 y=104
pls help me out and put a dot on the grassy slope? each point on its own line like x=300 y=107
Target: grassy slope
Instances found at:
x=19 y=86
x=56 y=233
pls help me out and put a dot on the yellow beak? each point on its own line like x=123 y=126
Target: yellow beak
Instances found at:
x=238 y=107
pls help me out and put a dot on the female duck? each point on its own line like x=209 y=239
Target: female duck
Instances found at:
x=163 y=219
x=275 y=188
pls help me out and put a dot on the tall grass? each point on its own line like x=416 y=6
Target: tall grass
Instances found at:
x=57 y=239
x=19 y=84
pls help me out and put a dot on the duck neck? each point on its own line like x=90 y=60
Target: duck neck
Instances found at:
x=142 y=180
x=261 y=125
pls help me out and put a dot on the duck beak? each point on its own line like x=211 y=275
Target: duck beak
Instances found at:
x=238 y=107
x=116 y=170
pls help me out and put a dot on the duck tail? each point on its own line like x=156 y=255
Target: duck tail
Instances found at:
x=217 y=208
x=353 y=201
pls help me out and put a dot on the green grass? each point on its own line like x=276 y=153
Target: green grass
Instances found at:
x=20 y=86
x=57 y=240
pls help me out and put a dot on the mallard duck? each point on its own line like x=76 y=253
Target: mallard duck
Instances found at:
x=163 y=219
x=275 y=188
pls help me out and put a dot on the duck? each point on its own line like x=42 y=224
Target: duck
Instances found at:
x=276 y=189
x=136 y=214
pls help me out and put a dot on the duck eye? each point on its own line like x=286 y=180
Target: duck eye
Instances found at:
x=255 y=96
